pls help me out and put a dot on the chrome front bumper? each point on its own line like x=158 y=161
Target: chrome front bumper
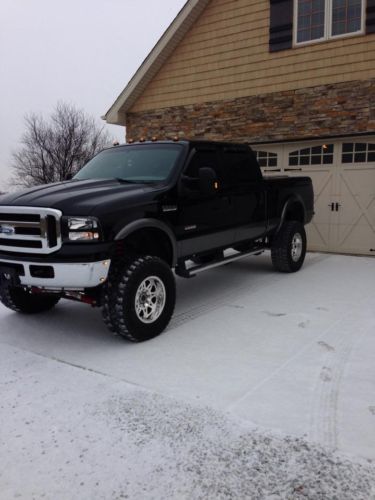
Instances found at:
x=57 y=275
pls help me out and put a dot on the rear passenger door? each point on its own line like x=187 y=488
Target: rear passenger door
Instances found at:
x=243 y=182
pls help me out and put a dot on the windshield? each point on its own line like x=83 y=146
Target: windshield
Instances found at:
x=132 y=164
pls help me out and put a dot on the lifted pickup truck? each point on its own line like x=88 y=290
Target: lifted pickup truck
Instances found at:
x=112 y=235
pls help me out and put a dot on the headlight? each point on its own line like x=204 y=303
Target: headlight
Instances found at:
x=83 y=229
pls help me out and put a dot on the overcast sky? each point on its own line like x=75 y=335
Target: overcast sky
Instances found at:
x=80 y=51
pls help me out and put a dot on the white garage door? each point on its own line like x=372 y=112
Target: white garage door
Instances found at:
x=343 y=175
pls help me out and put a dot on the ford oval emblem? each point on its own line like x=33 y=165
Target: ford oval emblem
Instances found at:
x=7 y=230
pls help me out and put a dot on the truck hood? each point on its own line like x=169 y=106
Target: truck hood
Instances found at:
x=80 y=197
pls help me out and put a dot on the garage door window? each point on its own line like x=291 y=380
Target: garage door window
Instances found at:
x=266 y=159
x=316 y=155
x=358 y=152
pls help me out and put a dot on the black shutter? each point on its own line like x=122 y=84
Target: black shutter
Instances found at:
x=281 y=25
x=370 y=16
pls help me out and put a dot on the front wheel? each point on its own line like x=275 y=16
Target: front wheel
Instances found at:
x=23 y=301
x=143 y=298
x=288 y=248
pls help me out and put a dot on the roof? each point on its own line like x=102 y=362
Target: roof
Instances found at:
x=155 y=60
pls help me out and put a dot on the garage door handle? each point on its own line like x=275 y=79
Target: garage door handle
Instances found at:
x=337 y=205
x=332 y=205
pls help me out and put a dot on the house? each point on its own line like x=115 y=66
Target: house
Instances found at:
x=293 y=78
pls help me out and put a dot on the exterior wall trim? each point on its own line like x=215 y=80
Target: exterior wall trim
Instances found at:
x=314 y=138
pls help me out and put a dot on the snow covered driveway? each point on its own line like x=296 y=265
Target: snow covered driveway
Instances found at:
x=87 y=415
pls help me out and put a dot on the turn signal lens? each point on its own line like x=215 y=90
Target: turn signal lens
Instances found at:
x=83 y=235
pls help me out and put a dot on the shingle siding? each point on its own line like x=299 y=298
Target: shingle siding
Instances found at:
x=226 y=55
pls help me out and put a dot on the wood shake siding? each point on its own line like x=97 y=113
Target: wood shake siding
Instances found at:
x=226 y=55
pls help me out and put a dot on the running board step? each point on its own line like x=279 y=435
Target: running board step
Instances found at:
x=194 y=270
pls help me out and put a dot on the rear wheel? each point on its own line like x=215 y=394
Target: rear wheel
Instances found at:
x=288 y=248
x=141 y=299
x=23 y=301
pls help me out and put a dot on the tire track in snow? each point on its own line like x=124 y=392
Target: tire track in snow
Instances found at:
x=212 y=305
x=325 y=399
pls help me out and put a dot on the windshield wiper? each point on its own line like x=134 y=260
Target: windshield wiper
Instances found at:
x=125 y=181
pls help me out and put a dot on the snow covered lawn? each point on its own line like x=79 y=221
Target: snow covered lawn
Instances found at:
x=262 y=387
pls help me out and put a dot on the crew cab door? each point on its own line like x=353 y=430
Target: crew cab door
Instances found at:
x=205 y=221
x=243 y=181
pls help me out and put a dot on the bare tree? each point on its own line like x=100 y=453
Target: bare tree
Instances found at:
x=53 y=150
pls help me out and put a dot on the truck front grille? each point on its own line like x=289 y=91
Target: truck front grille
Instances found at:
x=30 y=229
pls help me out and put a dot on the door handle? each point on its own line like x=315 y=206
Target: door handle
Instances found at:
x=334 y=206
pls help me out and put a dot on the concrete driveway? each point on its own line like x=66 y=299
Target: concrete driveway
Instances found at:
x=288 y=354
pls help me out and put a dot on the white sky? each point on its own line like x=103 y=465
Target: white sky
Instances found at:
x=79 y=51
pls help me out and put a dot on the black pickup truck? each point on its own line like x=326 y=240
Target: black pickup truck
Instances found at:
x=112 y=236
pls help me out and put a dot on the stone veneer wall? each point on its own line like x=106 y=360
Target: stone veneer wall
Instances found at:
x=339 y=109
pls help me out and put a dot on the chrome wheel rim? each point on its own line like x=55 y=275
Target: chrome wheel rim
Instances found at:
x=297 y=246
x=150 y=299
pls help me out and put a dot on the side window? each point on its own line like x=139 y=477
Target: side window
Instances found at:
x=238 y=166
x=202 y=158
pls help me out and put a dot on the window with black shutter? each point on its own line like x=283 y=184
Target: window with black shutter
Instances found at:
x=319 y=20
x=306 y=21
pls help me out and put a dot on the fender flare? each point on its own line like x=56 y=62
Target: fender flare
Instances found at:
x=150 y=224
x=290 y=201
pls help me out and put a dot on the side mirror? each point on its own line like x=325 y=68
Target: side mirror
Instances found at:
x=68 y=177
x=207 y=181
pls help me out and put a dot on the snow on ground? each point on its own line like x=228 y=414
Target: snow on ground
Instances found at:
x=262 y=387
x=73 y=434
